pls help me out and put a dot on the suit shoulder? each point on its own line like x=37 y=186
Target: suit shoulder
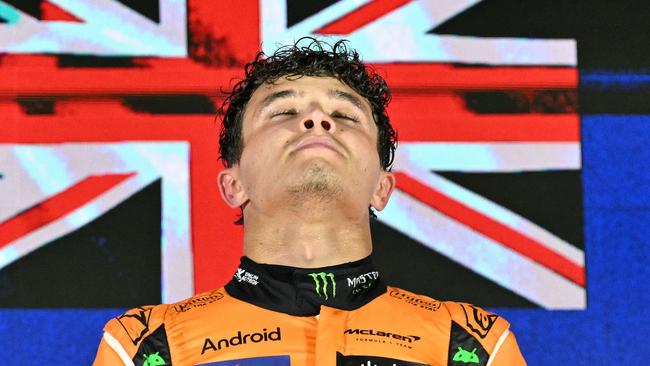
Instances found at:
x=146 y=330
x=411 y=299
x=138 y=323
x=486 y=327
x=134 y=326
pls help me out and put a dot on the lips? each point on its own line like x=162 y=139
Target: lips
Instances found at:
x=316 y=142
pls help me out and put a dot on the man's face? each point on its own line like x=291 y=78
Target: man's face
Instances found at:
x=309 y=139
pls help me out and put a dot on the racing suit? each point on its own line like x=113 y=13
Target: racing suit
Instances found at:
x=341 y=315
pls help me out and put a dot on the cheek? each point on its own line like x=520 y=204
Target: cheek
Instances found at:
x=259 y=156
x=371 y=151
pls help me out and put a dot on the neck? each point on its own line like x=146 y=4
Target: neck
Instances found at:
x=306 y=240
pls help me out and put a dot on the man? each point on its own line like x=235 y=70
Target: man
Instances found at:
x=308 y=148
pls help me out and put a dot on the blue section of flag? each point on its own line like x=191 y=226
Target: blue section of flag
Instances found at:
x=616 y=163
x=604 y=79
x=255 y=361
x=52 y=336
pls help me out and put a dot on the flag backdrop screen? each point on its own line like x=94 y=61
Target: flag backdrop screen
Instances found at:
x=521 y=182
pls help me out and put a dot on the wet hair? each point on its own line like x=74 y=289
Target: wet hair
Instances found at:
x=307 y=57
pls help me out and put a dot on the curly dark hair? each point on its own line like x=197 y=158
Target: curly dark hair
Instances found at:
x=307 y=57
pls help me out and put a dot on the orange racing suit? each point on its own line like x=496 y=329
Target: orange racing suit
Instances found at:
x=342 y=315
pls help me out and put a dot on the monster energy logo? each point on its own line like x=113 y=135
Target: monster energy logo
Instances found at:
x=324 y=278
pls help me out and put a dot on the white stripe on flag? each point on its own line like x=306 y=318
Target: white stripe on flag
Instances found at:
x=481 y=254
x=497 y=213
x=401 y=36
x=39 y=167
x=488 y=157
x=316 y=21
x=107 y=28
x=72 y=221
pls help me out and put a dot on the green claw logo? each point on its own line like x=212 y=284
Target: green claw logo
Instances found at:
x=465 y=356
x=324 y=278
x=153 y=360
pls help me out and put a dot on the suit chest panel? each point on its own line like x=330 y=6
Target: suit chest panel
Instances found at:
x=335 y=337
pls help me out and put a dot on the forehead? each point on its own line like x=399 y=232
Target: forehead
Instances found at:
x=305 y=86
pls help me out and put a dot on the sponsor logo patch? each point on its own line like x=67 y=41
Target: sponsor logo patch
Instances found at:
x=464 y=348
x=136 y=322
x=198 y=301
x=466 y=356
x=153 y=359
x=256 y=337
x=380 y=336
x=255 y=361
x=479 y=320
x=244 y=276
x=416 y=301
x=153 y=350
x=324 y=284
x=342 y=360
x=362 y=282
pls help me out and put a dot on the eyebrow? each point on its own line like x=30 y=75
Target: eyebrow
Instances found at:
x=282 y=94
x=339 y=94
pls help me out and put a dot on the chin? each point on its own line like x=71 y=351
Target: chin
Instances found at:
x=318 y=183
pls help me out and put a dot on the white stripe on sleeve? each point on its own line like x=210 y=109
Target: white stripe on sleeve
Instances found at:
x=496 y=348
x=117 y=347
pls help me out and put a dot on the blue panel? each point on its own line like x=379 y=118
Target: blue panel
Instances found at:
x=609 y=80
x=53 y=336
x=616 y=160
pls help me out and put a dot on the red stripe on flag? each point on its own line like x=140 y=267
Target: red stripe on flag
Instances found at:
x=427 y=77
x=492 y=229
x=51 y=12
x=58 y=206
x=425 y=125
x=174 y=76
x=362 y=16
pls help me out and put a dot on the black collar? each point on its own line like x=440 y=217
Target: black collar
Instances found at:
x=301 y=291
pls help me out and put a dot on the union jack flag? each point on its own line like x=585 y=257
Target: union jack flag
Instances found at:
x=488 y=165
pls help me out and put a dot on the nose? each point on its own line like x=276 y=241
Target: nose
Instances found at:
x=309 y=124
x=317 y=119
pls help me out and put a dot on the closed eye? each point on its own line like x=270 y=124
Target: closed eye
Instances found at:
x=349 y=117
x=286 y=112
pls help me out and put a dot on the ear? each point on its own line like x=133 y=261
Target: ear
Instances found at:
x=231 y=188
x=383 y=190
